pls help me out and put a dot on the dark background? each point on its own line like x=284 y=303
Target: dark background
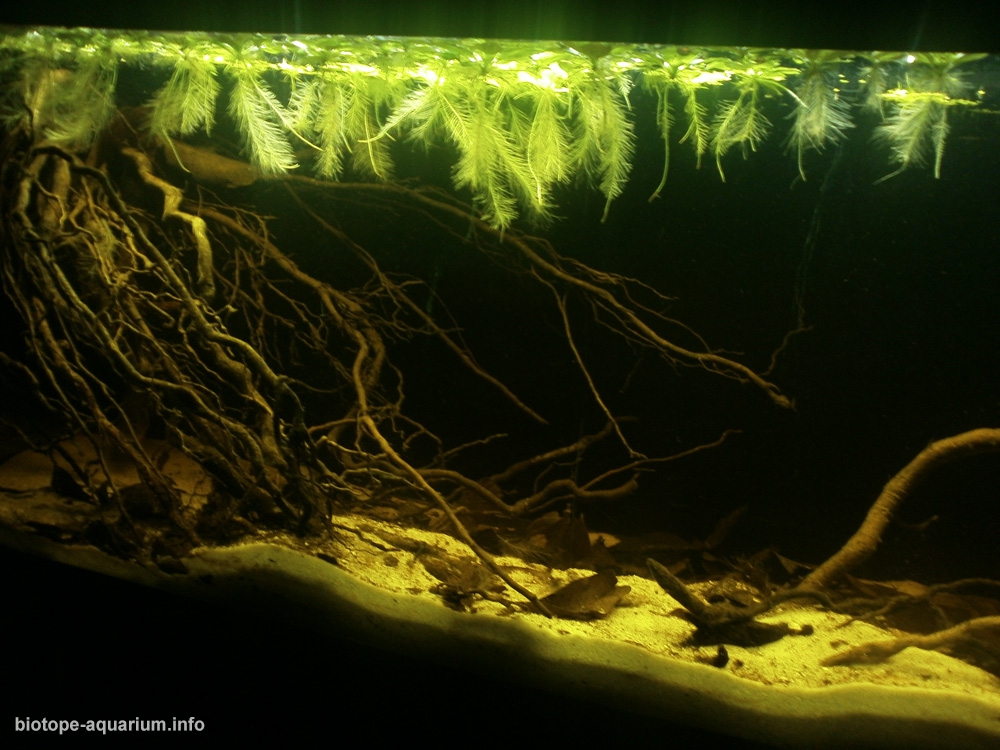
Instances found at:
x=960 y=25
x=900 y=286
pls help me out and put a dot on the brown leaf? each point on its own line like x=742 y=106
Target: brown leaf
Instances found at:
x=459 y=571
x=587 y=598
x=565 y=539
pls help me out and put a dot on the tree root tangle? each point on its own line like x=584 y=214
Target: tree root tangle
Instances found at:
x=151 y=311
x=154 y=311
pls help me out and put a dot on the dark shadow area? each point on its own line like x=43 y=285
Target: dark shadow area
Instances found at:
x=81 y=645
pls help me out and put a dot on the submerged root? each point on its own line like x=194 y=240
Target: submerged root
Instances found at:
x=274 y=378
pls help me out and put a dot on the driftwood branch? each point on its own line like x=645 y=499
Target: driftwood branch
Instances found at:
x=736 y=623
x=879 y=651
x=860 y=546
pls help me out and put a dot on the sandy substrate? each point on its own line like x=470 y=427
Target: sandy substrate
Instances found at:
x=369 y=587
x=372 y=583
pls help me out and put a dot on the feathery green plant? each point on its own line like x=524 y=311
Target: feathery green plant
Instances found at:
x=369 y=97
x=547 y=141
x=488 y=163
x=919 y=122
x=660 y=81
x=78 y=103
x=187 y=103
x=878 y=76
x=821 y=114
x=688 y=73
x=328 y=123
x=521 y=117
x=741 y=121
x=473 y=116
x=259 y=116
x=604 y=140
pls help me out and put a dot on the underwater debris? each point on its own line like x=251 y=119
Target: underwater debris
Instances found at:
x=724 y=622
x=718 y=660
x=463 y=579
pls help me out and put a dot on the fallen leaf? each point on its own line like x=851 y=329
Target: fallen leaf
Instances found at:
x=587 y=598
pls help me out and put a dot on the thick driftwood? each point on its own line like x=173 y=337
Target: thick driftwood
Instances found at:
x=867 y=537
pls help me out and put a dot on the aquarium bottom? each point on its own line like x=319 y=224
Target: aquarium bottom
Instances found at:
x=372 y=586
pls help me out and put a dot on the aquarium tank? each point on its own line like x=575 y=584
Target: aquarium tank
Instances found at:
x=551 y=372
